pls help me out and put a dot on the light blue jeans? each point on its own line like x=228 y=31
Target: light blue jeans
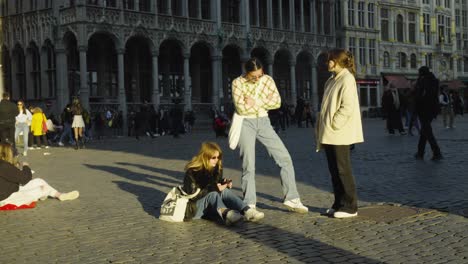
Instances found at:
x=261 y=129
x=213 y=201
x=22 y=127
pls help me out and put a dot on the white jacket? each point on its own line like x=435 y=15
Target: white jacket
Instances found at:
x=339 y=122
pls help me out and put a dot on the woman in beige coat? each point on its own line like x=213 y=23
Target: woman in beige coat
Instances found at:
x=339 y=126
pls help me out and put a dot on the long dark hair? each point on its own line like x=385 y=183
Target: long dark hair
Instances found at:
x=253 y=64
x=344 y=58
x=24 y=106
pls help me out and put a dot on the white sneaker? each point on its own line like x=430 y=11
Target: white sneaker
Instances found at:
x=46 y=147
x=253 y=206
x=295 y=205
x=69 y=196
x=61 y=144
x=344 y=214
x=232 y=217
x=330 y=211
x=253 y=215
x=25 y=153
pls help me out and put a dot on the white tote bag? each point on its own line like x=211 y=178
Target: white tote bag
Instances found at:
x=174 y=205
x=235 y=131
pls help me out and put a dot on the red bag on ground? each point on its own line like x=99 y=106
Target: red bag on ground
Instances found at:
x=8 y=207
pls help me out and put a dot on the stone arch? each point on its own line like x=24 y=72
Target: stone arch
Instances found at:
x=138 y=68
x=6 y=70
x=304 y=65
x=70 y=43
x=201 y=72
x=33 y=71
x=282 y=74
x=48 y=68
x=231 y=69
x=18 y=87
x=171 y=69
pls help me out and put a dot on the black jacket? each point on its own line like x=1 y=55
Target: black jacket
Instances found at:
x=8 y=113
x=11 y=178
x=205 y=180
x=427 y=96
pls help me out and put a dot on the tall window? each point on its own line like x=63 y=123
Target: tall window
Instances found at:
x=33 y=4
x=230 y=11
x=352 y=45
x=412 y=27
x=276 y=13
x=361 y=10
x=35 y=71
x=351 y=21
x=362 y=51
x=464 y=18
x=427 y=28
x=384 y=24
x=285 y=8
x=176 y=7
x=386 y=59
x=371 y=15
x=457 y=18
x=400 y=28
x=401 y=60
x=50 y=70
x=441 y=28
x=413 y=61
x=426 y=2
x=428 y=59
x=111 y=3
x=372 y=54
x=129 y=4
x=459 y=41
x=206 y=9
x=144 y=5
x=448 y=22
x=447 y=3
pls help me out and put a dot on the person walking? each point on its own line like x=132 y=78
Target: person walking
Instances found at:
x=338 y=126
x=427 y=105
x=23 y=121
x=254 y=93
x=78 y=123
x=446 y=108
x=67 y=120
x=8 y=113
x=39 y=129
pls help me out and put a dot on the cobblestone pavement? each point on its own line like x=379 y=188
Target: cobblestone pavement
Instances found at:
x=123 y=181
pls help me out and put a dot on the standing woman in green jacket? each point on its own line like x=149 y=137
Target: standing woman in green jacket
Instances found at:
x=339 y=126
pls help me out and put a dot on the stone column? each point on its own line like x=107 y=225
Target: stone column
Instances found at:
x=322 y=18
x=45 y=85
x=313 y=18
x=27 y=75
x=292 y=16
x=137 y=5
x=155 y=95
x=302 y=15
x=332 y=18
x=270 y=67
x=122 y=95
x=280 y=10
x=257 y=13
x=199 y=9
x=292 y=67
x=245 y=13
x=216 y=73
x=169 y=7
x=63 y=94
x=185 y=12
x=14 y=89
x=269 y=14
x=84 y=87
x=344 y=11
x=218 y=13
x=187 y=91
x=315 y=96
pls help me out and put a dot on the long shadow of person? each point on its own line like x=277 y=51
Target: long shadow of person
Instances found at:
x=135 y=176
x=150 y=198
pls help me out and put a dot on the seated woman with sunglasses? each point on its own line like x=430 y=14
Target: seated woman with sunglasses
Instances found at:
x=205 y=171
x=17 y=186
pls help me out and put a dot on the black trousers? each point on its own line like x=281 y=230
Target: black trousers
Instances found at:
x=7 y=134
x=344 y=187
x=427 y=135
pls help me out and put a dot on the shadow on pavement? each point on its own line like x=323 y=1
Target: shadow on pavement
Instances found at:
x=149 y=198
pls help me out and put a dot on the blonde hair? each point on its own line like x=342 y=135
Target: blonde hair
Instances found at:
x=202 y=160
x=36 y=110
x=6 y=153
x=344 y=58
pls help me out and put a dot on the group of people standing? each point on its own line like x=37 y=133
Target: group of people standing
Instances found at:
x=254 y=94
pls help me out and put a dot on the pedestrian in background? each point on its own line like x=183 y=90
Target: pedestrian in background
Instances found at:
x=254 y=93
x=39 y=128
x=427 y=107
x=339 y=126
x=23 y=121
x=8 y=113
x=78 y=124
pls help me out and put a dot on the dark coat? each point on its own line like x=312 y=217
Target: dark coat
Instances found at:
x=8 y=113
x=205 y=180
x=11 y=178
x=427 y=96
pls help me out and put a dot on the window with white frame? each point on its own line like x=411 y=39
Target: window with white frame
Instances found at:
x=459 y=41
x=352 y=46
x=464 y=18
x=427 y=28
x=361 y=10
x=447 y=3
x=386 y=59
x=413 y=61
x=362 y=51
x=400 y=28
x=351 y=13
x=448 y=22
x=370 y=15
x=401 y=60
x=372 y=54
x=384 y=29
x=457 y=18
x=441 y=28
x=412 y=27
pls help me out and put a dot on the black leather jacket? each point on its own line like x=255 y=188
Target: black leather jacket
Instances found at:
x=205 y=180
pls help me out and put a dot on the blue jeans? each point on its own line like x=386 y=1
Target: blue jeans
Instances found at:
x=67 y=131
x=22 y=127
x=213 y=201
x=261 y=129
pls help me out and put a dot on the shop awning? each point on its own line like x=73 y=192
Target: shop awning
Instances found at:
x=453 y=85
x=397 y=81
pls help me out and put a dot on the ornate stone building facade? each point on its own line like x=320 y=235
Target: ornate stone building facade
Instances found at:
x=391 y=39
x=120 y=53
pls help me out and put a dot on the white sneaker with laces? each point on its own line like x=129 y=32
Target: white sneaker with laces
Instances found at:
x=295 y=205
x=232 y=217
x=343 y=214
x=253 y=215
